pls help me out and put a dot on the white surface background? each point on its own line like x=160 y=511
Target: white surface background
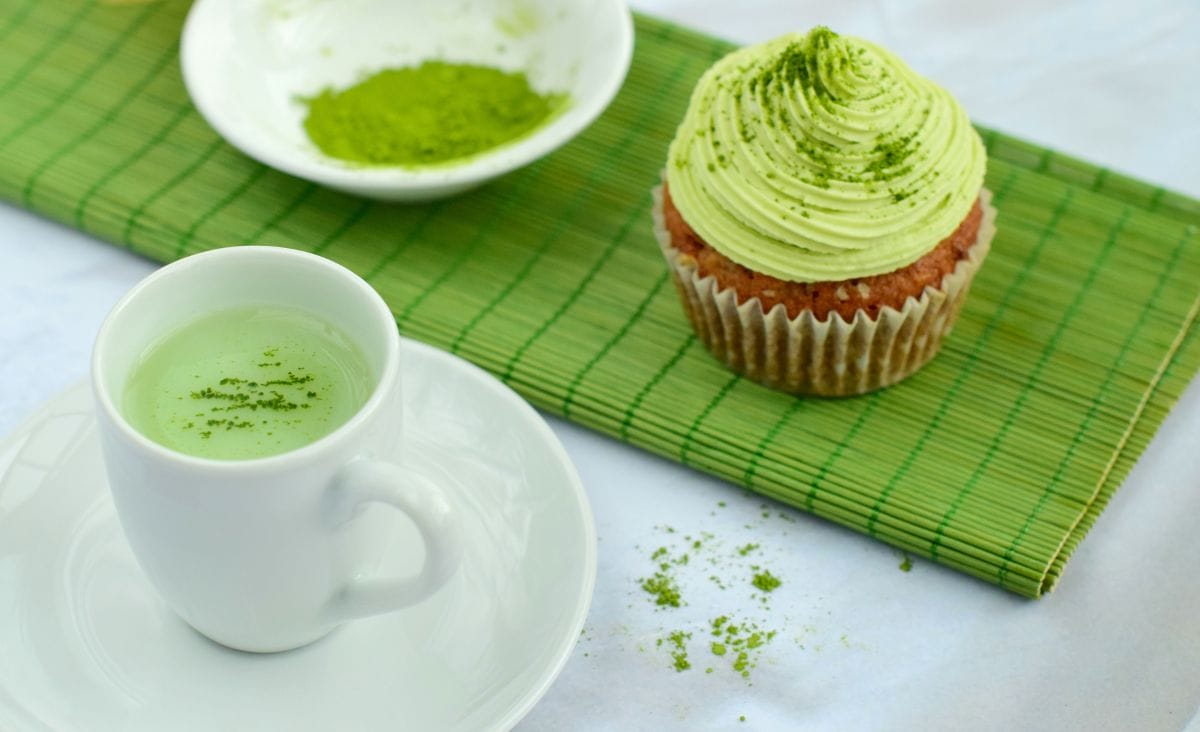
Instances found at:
x=860 y=644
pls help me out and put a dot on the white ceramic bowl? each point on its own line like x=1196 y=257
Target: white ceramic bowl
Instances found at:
x=247 y=62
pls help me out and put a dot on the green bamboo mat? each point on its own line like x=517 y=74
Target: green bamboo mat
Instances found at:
x=995 y=459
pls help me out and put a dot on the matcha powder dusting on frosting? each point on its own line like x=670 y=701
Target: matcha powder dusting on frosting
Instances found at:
x=822 y=157
x=427 y=115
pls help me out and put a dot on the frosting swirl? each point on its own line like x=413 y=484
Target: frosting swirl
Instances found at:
x=822 y=157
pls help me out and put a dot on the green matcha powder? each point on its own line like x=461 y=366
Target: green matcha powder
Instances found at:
x=427 y=115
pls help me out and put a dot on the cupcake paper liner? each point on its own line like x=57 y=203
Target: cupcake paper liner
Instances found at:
x=803 y=355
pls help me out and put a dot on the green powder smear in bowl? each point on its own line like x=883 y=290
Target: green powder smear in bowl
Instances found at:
x=427 y=115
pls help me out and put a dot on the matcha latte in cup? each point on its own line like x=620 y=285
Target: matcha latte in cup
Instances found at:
x=248 y=405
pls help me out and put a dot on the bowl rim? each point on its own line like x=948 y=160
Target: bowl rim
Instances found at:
x=569 y=123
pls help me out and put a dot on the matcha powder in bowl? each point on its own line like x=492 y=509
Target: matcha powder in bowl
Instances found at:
x=427 y=115
x=403 y=101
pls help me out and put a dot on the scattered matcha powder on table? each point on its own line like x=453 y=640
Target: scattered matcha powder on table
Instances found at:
x=662 y=586
x=741 y=641
x=766 y=581
x=663 y=589
x=678 y=641
x=738 y=641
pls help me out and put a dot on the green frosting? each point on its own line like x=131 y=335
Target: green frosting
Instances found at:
x=822 y=157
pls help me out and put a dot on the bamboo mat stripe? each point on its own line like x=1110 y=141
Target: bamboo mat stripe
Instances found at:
x=996 y=459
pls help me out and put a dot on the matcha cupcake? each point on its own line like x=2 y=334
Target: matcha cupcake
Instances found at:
x=823 y=213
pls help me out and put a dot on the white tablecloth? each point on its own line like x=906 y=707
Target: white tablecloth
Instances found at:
x=859 y=643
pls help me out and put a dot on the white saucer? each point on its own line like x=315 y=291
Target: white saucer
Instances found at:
x=86 y=644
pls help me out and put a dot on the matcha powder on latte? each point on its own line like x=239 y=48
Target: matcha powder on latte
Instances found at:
x=427 y=115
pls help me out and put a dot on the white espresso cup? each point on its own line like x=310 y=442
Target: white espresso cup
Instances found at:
x=270 y=553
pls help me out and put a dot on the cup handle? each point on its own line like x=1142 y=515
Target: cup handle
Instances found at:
x=373 y=481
